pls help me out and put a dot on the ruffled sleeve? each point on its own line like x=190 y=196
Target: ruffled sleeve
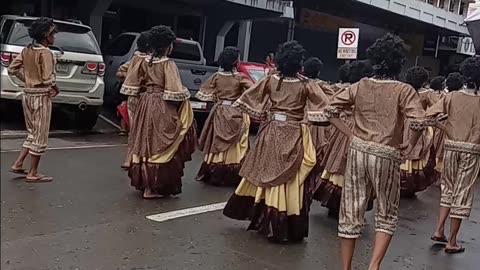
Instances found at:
x=16 y=67
x=122 y=71
x=255 y=100
x=316 y=103
x=341 y=101
x=174 y=90
x=47 y=67
x=412 y=109
x=208 y=89
x=245 y=82
x=135 y=77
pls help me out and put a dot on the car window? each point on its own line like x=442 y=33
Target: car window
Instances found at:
x=7 y=26
x=257 y=74
x=70 y=38
x=186 y=51
x=120 y=45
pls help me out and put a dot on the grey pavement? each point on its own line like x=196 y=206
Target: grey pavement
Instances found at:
x=90 y=218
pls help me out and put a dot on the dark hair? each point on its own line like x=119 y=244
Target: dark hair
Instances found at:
x=161 y=37
x=437 y=83
x=228 y=58
x=40 y=28
x=143 y=42
x=387 y=55
x=416 y=77
x=289 y=58
x=454 y=81
x=470 y=70
x=359 y=70
x=312 y=67
x=344 y=73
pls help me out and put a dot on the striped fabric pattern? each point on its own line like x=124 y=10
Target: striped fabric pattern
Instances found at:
x=37 y=109
x=366 y=172
x=460 y=171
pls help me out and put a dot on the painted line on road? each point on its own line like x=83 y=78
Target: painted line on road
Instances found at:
x=91 y=146
x=187 y=212
x=109 y=121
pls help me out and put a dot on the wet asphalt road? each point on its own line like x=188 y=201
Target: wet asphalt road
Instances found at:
x=90 y=218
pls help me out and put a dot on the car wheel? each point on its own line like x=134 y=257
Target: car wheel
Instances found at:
x=86 y=119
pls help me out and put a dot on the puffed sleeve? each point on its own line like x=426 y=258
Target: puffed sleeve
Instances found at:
x=47 y=66
x=255 y=100
x=316 y=103
x=327 y=89
x=341 y=101
x=245 y=82
x=16 y=67
x=134 y=78
x=174 y=90
x=439 y=110
x=411 y=107
x=207 y=89
x=122 y=70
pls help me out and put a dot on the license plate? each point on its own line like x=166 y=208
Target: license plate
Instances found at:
x=198 y=105
x=62 y=68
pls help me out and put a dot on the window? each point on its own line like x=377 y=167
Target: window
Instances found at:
x=7 y=26
x=257 y=74
x=70 y=38
x=186 y=51
x=120 y=45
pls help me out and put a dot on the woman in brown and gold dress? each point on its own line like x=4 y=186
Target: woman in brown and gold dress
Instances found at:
x=35 y=66
x=417 y=171
x=275 y=192
x=329 y=191
x=163 y=133
x=224 y=138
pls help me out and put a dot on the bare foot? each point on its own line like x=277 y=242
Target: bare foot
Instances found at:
x=148 y=194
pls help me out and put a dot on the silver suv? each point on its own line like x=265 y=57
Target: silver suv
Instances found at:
x=80 y=67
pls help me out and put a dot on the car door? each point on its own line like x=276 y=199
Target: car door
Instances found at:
x=118 y=51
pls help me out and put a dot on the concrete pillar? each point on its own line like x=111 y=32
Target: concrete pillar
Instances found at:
x=243 y=43
x=96 y=18
x=221 y=38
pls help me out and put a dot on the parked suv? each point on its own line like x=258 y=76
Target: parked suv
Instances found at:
x=80 y=67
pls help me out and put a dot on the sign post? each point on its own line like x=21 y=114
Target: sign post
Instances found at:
x=347 y=48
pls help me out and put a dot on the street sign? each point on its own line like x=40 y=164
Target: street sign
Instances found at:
x=466 y=46
x=348 y=43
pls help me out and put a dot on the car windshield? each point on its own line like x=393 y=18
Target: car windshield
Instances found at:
x=70 y=38
x=186 y=51
x=257 y=74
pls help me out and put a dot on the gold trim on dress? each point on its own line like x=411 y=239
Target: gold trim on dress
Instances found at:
x=249 y=110
x=317 y=116
x=175 y=96
x=204 y=97
x=376 y=149
x=332 y=112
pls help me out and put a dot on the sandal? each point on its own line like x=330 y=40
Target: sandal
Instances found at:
x=18 y=171
x=455 y=250
x=439 y=239
x=39 y=179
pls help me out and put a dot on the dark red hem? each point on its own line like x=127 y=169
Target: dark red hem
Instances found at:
x=219 y=174
x=164 y=178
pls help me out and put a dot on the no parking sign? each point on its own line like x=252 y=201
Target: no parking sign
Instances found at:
x=348 y=43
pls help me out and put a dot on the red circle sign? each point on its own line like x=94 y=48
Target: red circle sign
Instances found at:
x=348 y=38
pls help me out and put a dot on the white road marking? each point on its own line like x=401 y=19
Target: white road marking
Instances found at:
x=90 y=146
x=187 y=212
x=109 y=121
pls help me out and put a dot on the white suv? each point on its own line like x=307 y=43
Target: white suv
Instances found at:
x=80 y=67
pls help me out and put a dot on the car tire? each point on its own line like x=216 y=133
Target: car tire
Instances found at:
x=86 y=119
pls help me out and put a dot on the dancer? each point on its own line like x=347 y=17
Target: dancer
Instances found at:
x=437 y=84
x=224 y=138
x=417 y=172
x=373 y=163
x=35 y=66
x=274 y=193
x=332 y=177
x=163 y=132
x=134 y=81
x=462 y=152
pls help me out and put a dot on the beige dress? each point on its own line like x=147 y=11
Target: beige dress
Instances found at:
x=35 y=65
x=418 y=168
x=163 y=134
x=275 y=193
x=224 y=138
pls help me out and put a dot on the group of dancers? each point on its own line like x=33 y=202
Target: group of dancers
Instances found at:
x=351 y=145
